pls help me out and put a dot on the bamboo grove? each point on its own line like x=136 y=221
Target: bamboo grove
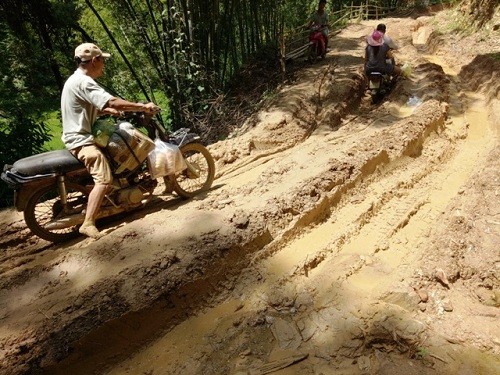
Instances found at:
x=189 y=50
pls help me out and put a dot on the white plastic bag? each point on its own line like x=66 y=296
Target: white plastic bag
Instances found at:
x=413 y=101
x=165 y=159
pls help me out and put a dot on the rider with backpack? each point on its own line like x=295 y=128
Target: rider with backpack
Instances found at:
x=378 y=56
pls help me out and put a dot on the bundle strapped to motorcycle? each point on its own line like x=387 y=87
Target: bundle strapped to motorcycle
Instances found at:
x=129 y=148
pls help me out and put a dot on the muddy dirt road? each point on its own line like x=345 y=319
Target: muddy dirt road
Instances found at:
x=340 y=237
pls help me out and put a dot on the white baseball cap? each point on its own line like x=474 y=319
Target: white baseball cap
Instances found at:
x=86 y=51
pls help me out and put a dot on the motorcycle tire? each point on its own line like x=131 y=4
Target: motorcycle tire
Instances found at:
x=312 y=53
x=200 y=173
x=45 y=204
x=377 y=96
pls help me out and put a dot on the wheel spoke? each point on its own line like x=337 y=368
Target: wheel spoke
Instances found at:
x=200 y=173
x=45 y=206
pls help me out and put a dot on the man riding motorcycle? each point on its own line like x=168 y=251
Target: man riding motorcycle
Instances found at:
x=319 y=19
x=82 y=100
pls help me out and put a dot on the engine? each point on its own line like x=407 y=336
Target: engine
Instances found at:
x=132 y=195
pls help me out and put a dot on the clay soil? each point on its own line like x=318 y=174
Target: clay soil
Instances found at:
x=340 y=237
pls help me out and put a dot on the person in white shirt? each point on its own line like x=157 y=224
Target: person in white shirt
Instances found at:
x=387 y=39
x=82 y=101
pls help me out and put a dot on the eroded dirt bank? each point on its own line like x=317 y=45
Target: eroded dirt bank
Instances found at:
x=340 y=237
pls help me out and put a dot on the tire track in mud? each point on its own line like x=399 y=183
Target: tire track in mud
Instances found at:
x=407 y=189
x=386 y=203
x=404 y=198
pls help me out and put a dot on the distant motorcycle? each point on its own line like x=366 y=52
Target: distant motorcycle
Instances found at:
x=52 y=188
x=317 y=44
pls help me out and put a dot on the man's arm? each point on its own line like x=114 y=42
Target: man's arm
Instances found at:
x=388 y=40
x=118 y=104
x=109 y=111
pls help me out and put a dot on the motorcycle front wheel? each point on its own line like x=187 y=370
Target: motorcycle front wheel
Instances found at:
x=199 y=174
x=44 y=207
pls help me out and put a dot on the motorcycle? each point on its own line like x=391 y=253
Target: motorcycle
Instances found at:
x=317 y=44
x=51 y=188
x=379 y=84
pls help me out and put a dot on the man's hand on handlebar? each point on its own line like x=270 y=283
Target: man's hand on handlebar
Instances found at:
x=151 y=108
x=121 y=105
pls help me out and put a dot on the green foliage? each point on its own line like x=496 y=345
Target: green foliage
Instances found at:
x=53 y=122
x=20 y=136
x=29 y=84
x=295 y=13
x=162 y=101
x=187 y=50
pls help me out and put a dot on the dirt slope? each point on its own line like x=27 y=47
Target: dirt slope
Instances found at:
x=340 y=237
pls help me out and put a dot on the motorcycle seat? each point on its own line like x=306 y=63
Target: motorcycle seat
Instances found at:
x=58 y=162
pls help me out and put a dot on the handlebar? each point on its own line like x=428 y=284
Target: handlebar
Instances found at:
x=146 y=120
x=317 y=27
x=135 y=114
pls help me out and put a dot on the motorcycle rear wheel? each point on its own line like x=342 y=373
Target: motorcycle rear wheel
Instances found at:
x=200 y=173
x=377 y=96
x=45 y=206
x=312 y=52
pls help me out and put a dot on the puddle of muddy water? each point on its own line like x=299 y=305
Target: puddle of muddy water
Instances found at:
x=401 y=111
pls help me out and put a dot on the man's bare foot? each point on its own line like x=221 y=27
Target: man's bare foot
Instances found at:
x=90 y=231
